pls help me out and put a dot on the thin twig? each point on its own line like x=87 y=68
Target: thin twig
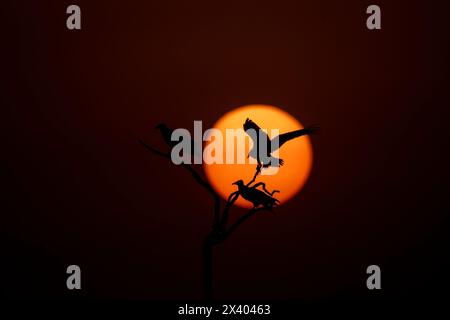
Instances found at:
x=258 y=171
x=265 y=189
x=160 y=153
x=231 y=200
x=218 y=223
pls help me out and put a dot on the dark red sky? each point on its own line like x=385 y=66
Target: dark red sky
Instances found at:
x=81 y=190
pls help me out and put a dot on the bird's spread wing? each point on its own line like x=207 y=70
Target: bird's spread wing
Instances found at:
x=284 y=137
x=250 y=124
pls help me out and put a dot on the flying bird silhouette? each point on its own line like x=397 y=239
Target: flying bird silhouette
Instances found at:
x=261 y=139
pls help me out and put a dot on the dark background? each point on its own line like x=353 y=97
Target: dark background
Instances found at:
x=79 y=189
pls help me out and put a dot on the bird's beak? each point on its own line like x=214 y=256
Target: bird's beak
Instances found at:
x=235 y=182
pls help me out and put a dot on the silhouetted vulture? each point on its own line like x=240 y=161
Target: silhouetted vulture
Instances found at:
x=256 y=196
x=259 y=137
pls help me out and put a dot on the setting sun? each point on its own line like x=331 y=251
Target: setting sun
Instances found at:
x=297 y=155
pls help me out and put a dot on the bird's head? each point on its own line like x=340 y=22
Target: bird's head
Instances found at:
x=239 y=183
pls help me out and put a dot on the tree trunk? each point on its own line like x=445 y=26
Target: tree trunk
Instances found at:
x=207 y=256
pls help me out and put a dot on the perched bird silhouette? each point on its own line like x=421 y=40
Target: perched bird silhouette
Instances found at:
x=166 y=134
x=261 y=139
x=256 y=196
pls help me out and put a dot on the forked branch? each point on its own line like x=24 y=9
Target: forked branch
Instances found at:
x=196 y=177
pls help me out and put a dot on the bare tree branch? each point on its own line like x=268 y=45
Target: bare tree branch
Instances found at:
x=225 y=214
x=159 y=153
x=258 y=171
x=196 y=177
x=249 y=214
x=219 y=232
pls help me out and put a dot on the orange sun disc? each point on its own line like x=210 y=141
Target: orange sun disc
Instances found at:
x=297 y=155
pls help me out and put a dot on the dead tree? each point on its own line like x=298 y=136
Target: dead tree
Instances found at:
x=220 y=228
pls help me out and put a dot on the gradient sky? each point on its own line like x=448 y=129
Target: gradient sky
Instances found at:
x=81 y=190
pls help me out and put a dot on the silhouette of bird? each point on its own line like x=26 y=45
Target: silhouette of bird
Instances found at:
x=255 y=196
x=271 y=145
x=166 y=134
